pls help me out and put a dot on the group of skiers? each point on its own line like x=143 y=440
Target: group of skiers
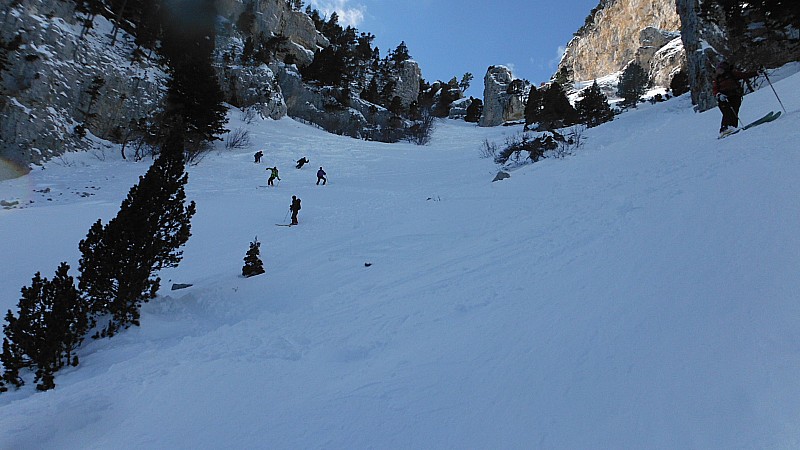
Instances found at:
x=274 y=175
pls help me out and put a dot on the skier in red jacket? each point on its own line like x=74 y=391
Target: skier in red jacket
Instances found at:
x=729 y=92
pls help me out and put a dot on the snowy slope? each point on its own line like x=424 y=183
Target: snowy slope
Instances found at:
x=642 y=293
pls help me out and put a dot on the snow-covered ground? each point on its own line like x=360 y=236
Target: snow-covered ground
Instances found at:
x=641 y=293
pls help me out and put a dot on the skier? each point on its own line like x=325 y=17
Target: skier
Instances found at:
x=273 y=175
x=302 y=161
x=258 y=156
x=728 y=90
x=294 y=208
x=321 y=176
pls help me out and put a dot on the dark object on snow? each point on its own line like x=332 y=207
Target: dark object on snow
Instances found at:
x=728 y=90
x=294 y=208
x=501 y=176
x=257 y=156
x=367 y=264
x=301 y=162
x=176 y=286
x=321 y=176
x=252 y=263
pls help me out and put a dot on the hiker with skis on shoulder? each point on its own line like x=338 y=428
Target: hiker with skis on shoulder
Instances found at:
x=321 y=176
x=273 y=175
x=294 y=208
x=728 y=91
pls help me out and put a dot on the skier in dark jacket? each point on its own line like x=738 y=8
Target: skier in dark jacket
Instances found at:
x=301 y=162
x=321 y=176
x=728 y=90
x=294 y=208
x=258 y=156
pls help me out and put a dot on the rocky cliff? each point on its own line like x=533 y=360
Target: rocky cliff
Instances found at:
x=55 y=79
x=620 y=31
x=62 y=81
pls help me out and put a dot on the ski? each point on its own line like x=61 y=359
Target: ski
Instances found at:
x=284 y=224
x=769 y=117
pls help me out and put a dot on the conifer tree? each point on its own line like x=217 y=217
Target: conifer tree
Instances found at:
x=400 y=54
x=371 y=93
x=450 y=92
x=396 y=106
x=120 y=260
x=633 y=84
x=593 y=108
x=556 y=110
x=533 y=107
x=474 y=110
x=679 y=84
x=50 y=324
x=252 y=261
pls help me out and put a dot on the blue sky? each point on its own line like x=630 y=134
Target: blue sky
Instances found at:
x=449 y=38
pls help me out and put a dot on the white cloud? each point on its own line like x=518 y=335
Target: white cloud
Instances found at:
x=349 y=14
x=553 y=63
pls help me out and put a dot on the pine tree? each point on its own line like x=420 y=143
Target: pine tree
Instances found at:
x=679 y=84
x=50 y=324
x=396 y=106
x=633 y=84
x=450 y=92
x=474 y=110
x=252 y=262
x=371 y=93
x=593 y=108
x=120 y=261
x=400 y=54
x=556 y=111
x=465 y=82
x=533 y=107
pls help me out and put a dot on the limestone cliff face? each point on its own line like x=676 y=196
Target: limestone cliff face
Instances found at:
x=614 y=38
x=407 y=78
x=503 y=97
x=55 y=79
x=276 y=18
x=60 y=81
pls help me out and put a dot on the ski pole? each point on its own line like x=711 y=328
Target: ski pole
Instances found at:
x=774 y=92
x=287 y=215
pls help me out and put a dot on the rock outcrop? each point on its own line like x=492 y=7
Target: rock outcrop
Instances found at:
x=504 y=97
x=619 y=32
x=407 y=78
x=56 y=85
x=61 y=82
x=276 y=18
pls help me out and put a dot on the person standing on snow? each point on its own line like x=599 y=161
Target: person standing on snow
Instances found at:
x=273 y=175
x=321 y=176
x=294 y=208
x=258 y=156
x=728 y=91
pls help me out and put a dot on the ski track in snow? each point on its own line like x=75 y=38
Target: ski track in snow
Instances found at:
x=641 y=293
